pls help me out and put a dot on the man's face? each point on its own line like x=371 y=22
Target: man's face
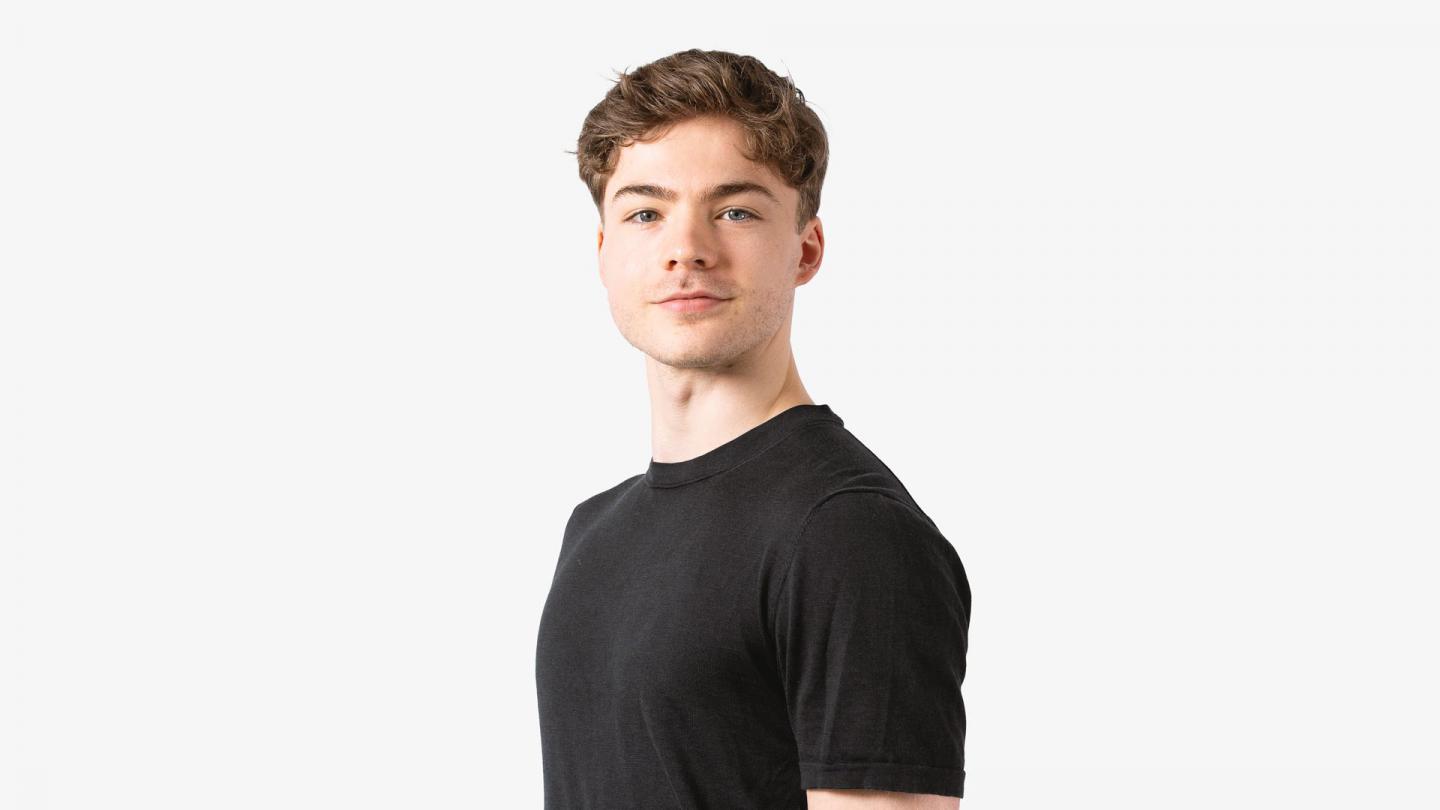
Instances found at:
x=662 y=234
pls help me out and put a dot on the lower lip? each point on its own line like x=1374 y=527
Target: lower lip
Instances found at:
x=691 y=304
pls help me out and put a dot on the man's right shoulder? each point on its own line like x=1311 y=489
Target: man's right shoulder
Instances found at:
x=602 y=500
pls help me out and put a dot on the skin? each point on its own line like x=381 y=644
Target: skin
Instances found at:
x=715 y=374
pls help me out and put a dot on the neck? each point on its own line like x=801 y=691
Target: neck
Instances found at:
x=692 y=414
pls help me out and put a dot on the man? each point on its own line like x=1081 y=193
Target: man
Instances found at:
x=764 y=618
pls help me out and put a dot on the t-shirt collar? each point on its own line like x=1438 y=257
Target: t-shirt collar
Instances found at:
x=740 y=449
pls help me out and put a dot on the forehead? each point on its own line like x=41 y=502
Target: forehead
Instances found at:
x=693 y=153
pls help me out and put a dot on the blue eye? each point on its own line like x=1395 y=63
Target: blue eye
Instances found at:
x=748 y=215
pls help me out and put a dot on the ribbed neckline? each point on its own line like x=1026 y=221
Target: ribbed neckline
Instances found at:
x=740 y=449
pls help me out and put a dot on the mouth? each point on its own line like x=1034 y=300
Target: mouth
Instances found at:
x=697 y=304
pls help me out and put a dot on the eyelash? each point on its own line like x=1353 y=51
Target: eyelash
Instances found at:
x=749 y=215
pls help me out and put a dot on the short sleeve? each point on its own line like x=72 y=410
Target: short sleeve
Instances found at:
x=871 y=627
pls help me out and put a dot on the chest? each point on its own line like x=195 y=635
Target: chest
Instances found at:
x=658 y=609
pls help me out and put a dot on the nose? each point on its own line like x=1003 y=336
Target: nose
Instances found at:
x=692 y=244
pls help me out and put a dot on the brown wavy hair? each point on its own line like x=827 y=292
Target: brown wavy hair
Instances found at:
x=781 y=130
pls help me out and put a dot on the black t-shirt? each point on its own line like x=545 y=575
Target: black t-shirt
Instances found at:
x=774 y=615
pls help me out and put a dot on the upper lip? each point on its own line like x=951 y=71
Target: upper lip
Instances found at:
x=691 y=294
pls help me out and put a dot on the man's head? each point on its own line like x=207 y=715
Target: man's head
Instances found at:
x=706 y=168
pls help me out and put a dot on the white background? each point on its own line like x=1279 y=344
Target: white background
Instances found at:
x=304 y=361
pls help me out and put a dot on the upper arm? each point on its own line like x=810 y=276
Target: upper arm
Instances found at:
x=870 y=628
x=826 y=799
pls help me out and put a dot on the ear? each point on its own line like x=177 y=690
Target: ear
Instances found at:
x=599 y=243
x=812 y=250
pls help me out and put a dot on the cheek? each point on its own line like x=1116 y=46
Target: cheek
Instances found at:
x=625 y=296
x=775 y=300
x=615 y=276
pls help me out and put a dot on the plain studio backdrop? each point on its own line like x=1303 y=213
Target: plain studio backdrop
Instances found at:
x=304 y=361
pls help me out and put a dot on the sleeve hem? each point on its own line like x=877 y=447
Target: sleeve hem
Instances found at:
x=893 y=776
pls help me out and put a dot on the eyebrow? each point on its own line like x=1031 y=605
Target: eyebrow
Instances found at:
x=713 y=193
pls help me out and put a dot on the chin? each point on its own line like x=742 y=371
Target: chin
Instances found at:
x=685 y=362
x=691 y=356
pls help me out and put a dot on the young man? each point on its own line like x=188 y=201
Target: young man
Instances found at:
x=764 y=618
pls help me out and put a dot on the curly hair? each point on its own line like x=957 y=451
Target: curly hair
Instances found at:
x=781 y=130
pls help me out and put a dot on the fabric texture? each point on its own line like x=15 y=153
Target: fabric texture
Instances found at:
x=775 y=615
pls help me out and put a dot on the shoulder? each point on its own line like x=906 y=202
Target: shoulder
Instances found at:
x=871 y=524
x=843 y=494
x=870 y=553
x=883 y=504
x=826 y=460
x=600 y=502
x=870 y=541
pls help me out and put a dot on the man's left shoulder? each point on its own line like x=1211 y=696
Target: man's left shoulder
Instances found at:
x=874 y=513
